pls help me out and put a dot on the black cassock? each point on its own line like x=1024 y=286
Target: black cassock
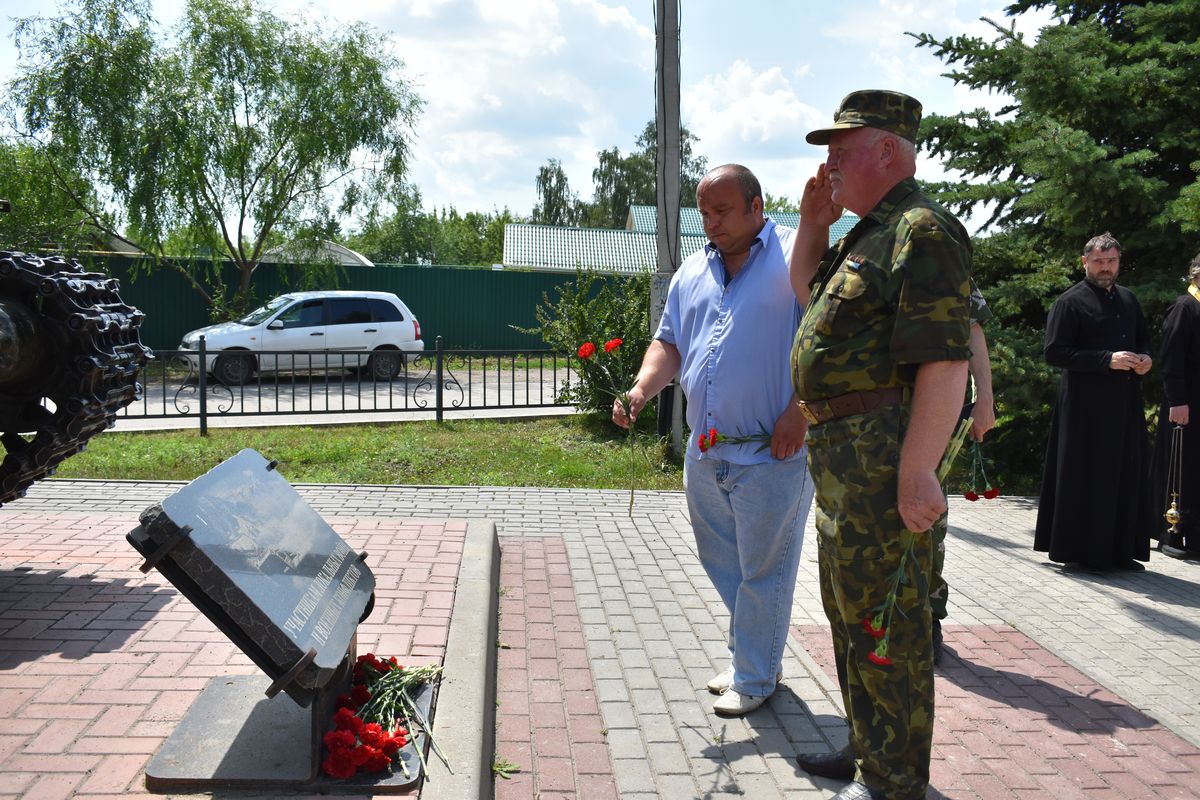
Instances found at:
x=1095 y=506
x=1180 y=368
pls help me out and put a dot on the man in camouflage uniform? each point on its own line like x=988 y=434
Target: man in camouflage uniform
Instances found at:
x=880 y=366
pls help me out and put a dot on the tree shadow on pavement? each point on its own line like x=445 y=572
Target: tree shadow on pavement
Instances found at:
x=780 y=729
x=1156 y=586
x=47 y=611
x=985 y=540
x=985 y=690
x=1021 y=693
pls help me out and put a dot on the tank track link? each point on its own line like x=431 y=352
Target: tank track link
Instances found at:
x=78 y=348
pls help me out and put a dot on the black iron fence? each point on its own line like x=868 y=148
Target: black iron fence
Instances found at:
x=269 y=383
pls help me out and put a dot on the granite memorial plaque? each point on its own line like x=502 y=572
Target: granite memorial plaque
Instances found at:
x=242 y=545
x=245 y=548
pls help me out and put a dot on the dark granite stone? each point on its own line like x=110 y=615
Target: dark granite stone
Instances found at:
x=246 y=549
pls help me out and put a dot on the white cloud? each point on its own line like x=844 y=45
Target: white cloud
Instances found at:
x=741 y=114
x=509 y=84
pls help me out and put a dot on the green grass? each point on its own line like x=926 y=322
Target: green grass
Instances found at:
x=576 y=451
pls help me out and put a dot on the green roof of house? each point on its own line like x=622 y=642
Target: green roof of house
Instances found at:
x=551 y=247
x=631 y=250
x=645 y=220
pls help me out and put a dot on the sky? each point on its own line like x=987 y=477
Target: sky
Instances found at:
x=509 y=84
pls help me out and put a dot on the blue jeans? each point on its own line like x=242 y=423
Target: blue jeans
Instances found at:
x=749 y=527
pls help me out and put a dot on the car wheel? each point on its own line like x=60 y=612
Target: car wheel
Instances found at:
x=234 y=369
x=384 y=365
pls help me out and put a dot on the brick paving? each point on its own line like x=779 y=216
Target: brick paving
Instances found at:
x=548 y=722
x=1014 y=721
x=99 y=663
x=1067 y=685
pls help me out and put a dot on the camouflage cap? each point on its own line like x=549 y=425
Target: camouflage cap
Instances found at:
x=874 y=108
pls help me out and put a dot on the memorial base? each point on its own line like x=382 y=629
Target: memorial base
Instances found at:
x=234 y=737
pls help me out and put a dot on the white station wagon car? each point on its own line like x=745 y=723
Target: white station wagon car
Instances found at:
x=303 y=331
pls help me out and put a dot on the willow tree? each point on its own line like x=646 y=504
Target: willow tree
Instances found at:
x=239 y=127
x=41 y=216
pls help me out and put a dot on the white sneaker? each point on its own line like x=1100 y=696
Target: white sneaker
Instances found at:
x=735 y=704
x=720 y=683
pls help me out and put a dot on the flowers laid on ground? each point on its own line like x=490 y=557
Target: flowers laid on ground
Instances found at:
x=599 y=369
x=373 y=722
x=979 y=477
x=708 y=441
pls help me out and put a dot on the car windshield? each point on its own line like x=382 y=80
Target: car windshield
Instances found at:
x=259 y=314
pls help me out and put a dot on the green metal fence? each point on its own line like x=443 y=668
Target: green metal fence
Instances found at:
x=469 y=307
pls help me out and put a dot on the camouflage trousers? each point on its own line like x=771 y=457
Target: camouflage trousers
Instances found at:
x=861 y=538
x=939 y=590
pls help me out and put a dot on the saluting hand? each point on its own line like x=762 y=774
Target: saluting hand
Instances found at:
x=816 y=204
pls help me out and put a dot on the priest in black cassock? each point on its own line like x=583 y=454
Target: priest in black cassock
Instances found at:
x=1180 y=367
x=1095 y=511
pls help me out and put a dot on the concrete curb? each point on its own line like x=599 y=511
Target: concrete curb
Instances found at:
x=465 y=716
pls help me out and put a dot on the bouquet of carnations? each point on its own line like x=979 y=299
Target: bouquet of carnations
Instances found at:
x=374 y=722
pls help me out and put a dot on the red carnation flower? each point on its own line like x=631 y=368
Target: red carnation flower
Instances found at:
x=587 y=350
x=376 y=760
x=359 y=695
x=372 y=734
x=345 y=720
x=339 y=740
x=875 y=658
x=398 y=739
x=361 y=754
x=339 y=764
x=869 y=626
x=991 y=493
x=702 y=442
x=612 y=344
x=972 y=496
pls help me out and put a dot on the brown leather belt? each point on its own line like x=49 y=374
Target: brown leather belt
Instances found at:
x=849 y=404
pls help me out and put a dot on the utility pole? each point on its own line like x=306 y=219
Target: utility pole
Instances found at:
x=667 y=163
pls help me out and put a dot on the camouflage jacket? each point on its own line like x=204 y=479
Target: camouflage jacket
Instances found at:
x=890 y=295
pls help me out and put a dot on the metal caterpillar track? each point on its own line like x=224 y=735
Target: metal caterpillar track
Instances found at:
x=69 y=360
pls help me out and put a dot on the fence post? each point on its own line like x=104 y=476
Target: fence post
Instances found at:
x=203 y=391
x=437 y=392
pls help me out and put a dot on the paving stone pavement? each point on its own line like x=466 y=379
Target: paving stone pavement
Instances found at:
x=98 y=663
x=654 y=631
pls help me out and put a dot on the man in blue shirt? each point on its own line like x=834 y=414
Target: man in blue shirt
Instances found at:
x=726 y=331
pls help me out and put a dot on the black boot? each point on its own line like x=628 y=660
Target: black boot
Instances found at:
x=1172 y=545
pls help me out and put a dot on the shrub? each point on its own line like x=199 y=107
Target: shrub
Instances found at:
x=598 y=308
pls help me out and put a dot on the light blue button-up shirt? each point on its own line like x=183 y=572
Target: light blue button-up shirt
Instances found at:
x=735 y=340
